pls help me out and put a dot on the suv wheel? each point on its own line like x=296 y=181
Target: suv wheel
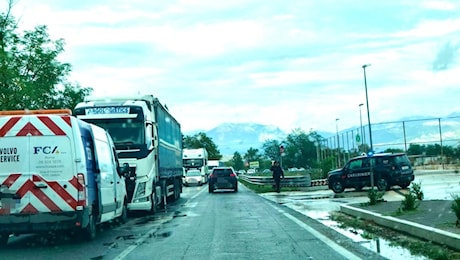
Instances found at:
x=383 y=185
x=404 y=185
x=337 y=187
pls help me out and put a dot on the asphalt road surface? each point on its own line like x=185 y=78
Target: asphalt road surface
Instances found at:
x=243 y=225
x=223 y=225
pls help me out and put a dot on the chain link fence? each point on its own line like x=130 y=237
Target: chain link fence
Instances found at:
x=439 y=139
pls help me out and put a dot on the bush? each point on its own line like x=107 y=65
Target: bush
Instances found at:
x=416 y=189
x=374 y=196
x=456 y=207
x=410 y=200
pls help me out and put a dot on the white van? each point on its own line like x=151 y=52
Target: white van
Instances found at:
x=57 y=173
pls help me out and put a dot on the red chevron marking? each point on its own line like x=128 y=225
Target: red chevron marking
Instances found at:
x=11 y=179
x=29 y=129
x=51 y=125
x=29 y=209
x=7 y=127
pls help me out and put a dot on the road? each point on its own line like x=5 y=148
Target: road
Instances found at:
x=226 y=225
x=223 y=225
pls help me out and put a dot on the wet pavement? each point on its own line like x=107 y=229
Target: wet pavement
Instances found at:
x=317 y=204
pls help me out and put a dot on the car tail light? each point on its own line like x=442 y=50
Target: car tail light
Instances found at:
x=211 y=175
x=81 y=202
x=232 y=175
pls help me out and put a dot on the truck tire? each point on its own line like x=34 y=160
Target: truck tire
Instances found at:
x=4 y=239
x=153 y=207
x=89 y=232
x=177 y=185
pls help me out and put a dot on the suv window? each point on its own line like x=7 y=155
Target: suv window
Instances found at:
x=222 y=172
x=355 y=164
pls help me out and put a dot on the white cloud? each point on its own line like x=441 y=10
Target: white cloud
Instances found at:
x=294 y=64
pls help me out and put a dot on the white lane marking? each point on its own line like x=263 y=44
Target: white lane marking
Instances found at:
x=338 y=248
x=141 y=240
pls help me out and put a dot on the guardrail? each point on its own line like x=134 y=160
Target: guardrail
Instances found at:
x=288 y=181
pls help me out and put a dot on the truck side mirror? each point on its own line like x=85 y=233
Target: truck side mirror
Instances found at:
x=124 y=169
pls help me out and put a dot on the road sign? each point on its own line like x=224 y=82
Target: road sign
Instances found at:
x=358 y=138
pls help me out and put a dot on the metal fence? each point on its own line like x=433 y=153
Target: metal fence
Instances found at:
x=288 y=181
x=392 y=135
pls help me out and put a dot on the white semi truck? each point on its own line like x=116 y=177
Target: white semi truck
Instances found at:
x=196 y=159
x=148 y=138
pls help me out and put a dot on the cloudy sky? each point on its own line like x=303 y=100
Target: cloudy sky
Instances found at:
x=292 y=64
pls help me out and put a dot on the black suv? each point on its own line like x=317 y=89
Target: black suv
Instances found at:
x=389 y=169
x=222 y=178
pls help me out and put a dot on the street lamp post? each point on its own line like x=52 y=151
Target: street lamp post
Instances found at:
x=369 y=121
x=361 y=123
x=338 y=143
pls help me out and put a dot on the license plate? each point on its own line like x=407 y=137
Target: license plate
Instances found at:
x=404 y=167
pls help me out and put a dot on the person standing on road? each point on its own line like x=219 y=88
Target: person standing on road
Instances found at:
x=278 y=173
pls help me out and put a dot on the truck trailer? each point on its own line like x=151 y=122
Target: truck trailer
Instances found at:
x=148 y=138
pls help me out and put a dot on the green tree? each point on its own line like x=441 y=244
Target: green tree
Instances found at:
x=252 y=155
x=237 y=161
x=271 y=149
x=31 y=76
x=416 y=149
x=201 y=140
x=300 y=150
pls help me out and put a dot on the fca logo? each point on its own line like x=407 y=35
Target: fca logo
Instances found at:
x=45 y=149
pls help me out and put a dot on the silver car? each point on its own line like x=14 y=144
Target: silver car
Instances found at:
x=193 y=177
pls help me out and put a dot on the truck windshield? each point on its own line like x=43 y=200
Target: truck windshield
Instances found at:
x=193 y=163
x=124 y=132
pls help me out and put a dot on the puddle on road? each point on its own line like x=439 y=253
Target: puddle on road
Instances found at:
x=379 y=245
x=317 y=211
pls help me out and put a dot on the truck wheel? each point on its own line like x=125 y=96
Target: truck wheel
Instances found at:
x=383 y=185
x=337 y=187
x=153 y=207
x=89 y=232
x=4 y=239
x=176 y=190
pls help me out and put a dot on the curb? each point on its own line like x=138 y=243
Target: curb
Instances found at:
x=428 y=233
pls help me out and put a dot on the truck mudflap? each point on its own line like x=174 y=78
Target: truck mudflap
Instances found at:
x=43 y=222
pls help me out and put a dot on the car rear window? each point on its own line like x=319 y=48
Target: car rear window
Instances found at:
x=222 y=172
x=402 y=159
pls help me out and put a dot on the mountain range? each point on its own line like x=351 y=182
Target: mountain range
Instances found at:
x=231 y=137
